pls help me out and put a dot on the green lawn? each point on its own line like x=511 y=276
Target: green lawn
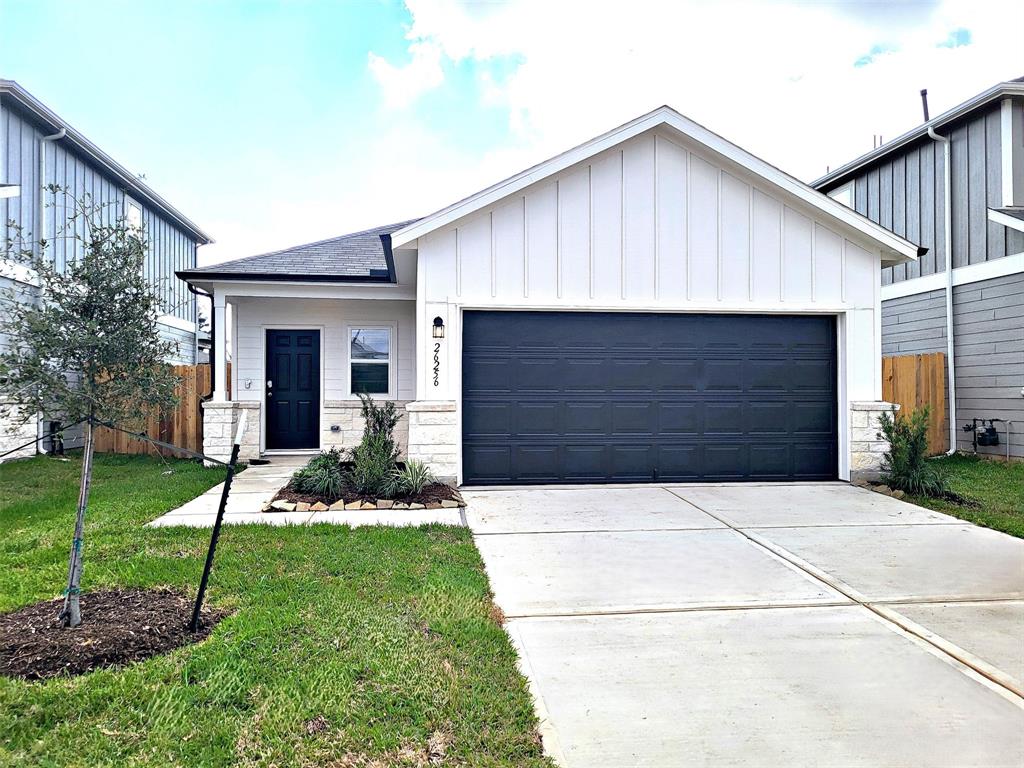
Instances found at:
x=388 y=634
x=998 y=487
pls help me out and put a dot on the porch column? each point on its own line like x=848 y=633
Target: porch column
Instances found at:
x=219 y=342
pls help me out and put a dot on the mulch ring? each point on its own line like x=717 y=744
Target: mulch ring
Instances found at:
x=119 y=626
x=430 y=497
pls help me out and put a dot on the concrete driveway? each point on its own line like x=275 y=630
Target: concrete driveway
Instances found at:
x=759 y=625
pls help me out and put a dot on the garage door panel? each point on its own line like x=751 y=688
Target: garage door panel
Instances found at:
x=487 y=419
x=585 y=463
x=764 y=418
x=586 y=419
x=680 y=419
x=631 y=463
x=535 y=419
x=770 y=461
x=723 y=376
x=724 y=419
x=634 y=418
x=537 y=462
x=628 y=397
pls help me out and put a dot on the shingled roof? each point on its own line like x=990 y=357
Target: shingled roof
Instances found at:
x=357 y=257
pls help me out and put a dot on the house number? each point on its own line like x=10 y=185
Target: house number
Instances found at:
x=437 y=363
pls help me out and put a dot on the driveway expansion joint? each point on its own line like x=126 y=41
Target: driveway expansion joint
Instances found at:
x=895 y=620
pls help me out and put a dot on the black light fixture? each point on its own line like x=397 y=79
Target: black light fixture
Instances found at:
x=438 y=328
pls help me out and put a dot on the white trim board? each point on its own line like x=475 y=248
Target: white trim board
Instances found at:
x=895 y=249
x=9 y=190
x=177 y=322
x=1012 y=222
x=974 y=273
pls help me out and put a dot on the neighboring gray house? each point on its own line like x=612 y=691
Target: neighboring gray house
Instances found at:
x=39 y=149
x=902 y=186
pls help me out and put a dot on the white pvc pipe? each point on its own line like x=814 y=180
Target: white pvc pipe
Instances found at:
x=948 y=233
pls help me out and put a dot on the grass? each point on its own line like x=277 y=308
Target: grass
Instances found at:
x=998 y=488
x=387 y=634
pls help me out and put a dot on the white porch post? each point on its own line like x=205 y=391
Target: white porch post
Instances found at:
x=220 y=379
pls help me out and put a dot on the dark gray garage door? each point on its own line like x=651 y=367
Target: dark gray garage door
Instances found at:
x=563 y=397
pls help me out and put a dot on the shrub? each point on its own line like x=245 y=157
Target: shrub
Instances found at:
x=373 y=460
x=321 y=476
x=410 y=479
x=905 y=465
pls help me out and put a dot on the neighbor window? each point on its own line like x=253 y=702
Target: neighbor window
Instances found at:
x=133 y=217
x=370 y=360
x=843 y=194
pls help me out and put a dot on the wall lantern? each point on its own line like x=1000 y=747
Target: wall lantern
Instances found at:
x=438 y=328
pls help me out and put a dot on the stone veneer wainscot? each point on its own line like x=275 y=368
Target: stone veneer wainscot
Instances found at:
x=867 y=445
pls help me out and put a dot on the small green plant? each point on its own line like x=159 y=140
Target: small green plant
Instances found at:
x=373 y=460
x=410 y=479
x=322 y=475
x=905 y=465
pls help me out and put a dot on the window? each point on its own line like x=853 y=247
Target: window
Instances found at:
x=133 y=216
x=370 y=361
x=843 y=194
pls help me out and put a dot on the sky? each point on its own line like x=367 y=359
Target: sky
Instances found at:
x=271 y=124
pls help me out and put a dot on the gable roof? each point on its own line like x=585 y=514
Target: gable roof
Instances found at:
x=997 y=92
x=128 y=180
x=357 y=257
x=895 y=248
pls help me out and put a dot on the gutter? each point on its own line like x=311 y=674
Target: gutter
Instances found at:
x=982 y=99
x=213 y=336
x=948 y=234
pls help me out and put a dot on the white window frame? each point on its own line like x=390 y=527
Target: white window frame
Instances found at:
x=375 y=325
x=129 y=203
x=847 y=188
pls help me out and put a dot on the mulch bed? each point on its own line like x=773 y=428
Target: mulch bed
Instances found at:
x=119 y=626
x=434 y=493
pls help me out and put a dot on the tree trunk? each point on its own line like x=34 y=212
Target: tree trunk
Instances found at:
x=71 y=614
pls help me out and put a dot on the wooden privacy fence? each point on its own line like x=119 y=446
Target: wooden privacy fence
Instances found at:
x=182 y=427
x=917 y=380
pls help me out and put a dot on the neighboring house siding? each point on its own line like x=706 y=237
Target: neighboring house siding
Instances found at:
x=914 y=325
x=988 y=328
x=170 y=249
x=904 y=193
x=184 y=341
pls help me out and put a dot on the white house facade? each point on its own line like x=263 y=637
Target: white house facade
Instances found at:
x=654 y=305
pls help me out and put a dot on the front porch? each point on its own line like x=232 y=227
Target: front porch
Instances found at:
x=298 y=364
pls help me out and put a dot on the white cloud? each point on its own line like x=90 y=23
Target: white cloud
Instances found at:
x=405 y=83
x=778 y=79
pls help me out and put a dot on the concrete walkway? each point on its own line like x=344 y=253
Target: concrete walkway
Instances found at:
x=258 y=484
x=796 y=625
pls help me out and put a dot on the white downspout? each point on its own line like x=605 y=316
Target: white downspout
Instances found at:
x=40 y=207
x=40 y=235
x=948 y=234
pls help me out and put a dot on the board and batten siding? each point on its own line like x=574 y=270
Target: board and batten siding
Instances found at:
x=904 y=193
x=170 y=248
x=988 y=331
x=655 y=223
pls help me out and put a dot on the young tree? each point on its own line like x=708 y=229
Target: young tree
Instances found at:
x=83 y=345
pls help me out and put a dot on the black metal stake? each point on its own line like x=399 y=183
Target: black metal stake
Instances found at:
x=194 y=626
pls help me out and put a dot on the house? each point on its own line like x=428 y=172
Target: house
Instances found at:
x=39 y=149
x=955 y=184
x=656 y=303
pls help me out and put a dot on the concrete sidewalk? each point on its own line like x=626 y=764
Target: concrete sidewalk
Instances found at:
x=259 y=483
x=759 y=625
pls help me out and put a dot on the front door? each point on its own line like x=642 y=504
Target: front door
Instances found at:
x=293 y=389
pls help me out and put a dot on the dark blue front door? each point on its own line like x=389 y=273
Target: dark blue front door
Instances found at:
x=293 y=389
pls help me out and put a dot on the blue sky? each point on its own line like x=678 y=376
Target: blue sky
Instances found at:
x=272 y=123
